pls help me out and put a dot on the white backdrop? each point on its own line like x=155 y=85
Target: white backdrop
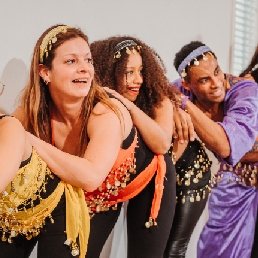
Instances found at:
x=166 y=25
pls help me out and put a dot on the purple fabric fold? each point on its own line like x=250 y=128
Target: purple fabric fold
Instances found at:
x=229 y=232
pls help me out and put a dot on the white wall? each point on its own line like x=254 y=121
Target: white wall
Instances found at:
x=166 y=25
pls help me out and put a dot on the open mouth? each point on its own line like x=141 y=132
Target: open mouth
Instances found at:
x=134 y=89
x=217 y=93
x=80 y=81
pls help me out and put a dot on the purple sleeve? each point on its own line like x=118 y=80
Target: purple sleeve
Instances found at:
x=241 y=119
x=179 y=85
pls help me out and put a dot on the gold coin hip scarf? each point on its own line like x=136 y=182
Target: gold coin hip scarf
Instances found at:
x=101 y=199
x=242 y=173
x=25 y=189
x=192 y=172
x=118 y=188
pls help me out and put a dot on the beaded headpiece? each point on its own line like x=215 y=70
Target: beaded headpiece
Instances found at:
x=49 y=39
x=125 y=44
x=192 y=56
x=254 y=68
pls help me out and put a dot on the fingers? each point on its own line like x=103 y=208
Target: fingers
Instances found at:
x=109 y=90
x=113 y=92
x=183 y=129
x=191 y=132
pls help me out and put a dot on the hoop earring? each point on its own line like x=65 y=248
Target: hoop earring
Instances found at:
x=45 y=82
x=2 y=88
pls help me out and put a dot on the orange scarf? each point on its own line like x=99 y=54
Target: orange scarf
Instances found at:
x=134 y=187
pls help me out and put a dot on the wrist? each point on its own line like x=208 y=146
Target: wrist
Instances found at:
x=184 y=100
x=128 y=104
x=181 y=101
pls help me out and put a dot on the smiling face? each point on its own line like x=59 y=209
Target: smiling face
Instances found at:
x=133 y=77
x=72 y=70
x=207 y=81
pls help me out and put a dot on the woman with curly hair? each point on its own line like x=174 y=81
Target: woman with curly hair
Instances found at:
x=251 y=71
x=135 y=74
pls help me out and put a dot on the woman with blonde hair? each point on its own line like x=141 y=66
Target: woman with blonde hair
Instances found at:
x=88 y=136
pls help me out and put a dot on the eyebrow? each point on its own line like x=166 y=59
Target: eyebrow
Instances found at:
x=73 y=54
x=201 y=78
x=206 y=77
x=133 y=66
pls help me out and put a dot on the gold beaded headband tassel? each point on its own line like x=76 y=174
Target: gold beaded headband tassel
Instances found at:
x=125 y=45
x=48 y=40
x=193 y=56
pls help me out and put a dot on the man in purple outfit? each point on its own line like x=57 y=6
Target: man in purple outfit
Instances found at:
x=224 y=112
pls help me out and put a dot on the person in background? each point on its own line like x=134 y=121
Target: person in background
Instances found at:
x=135 y=74
x=193 y=178
x=251 y=73
x=29 y=207
x=224 y=112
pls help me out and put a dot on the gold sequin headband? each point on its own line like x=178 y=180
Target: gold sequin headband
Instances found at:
x=192 y=56
x=50 y=39
x=2 y=89
x=126 y=44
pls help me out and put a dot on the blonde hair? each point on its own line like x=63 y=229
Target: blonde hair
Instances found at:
x=36 y=99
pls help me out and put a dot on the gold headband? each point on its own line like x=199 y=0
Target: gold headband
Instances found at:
x=49 y=39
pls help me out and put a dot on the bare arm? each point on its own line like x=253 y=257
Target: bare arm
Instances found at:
x=106 y=134
x=210 y=132
x=14 y=148
x=156 y=133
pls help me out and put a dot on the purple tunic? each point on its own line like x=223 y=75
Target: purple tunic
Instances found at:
x=229 y=231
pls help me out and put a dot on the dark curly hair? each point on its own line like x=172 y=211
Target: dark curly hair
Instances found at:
x=254 y=61
x=110 y=71
x=184 y=52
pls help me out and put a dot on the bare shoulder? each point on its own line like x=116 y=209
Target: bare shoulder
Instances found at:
x=19 y=114
x=11 y=124
x=104 y=115
x=101 y=108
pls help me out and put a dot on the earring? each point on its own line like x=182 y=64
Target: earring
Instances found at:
x=2 y=88
x=46 y=82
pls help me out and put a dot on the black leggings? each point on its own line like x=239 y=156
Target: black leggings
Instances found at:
x=50 y=240
x=101 y=226
x=142 y=242
x=186 y=217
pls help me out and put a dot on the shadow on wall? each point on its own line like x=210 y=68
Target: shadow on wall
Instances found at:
x=14 y=76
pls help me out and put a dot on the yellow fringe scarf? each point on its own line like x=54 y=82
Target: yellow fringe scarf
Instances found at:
x=24 y=189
